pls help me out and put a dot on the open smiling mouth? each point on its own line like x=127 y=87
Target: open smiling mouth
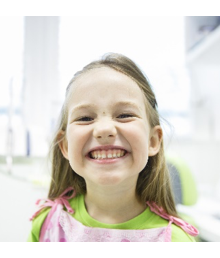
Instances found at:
x=107 y=154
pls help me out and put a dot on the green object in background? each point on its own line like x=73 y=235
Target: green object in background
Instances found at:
x=187 y=186
x=183 y=186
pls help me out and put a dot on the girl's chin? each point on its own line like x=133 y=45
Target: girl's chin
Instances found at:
x=106 y=183
x=111 y=179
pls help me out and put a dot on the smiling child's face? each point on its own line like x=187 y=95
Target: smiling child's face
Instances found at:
x=108 y=137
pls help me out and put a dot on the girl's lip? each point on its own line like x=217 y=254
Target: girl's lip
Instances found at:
x=107 y=161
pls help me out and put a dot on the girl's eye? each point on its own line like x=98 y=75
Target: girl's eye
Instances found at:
x=125 y=116
x=85 y=119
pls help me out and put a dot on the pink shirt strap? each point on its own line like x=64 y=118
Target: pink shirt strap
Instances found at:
x=191 y=230
x=62 y=199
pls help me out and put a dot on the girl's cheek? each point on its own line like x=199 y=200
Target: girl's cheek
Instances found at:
x=76 y=132
x=78 y=138
x=140 y=138
x=137 y=130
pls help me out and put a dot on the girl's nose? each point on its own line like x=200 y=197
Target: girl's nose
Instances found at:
x=104 y=130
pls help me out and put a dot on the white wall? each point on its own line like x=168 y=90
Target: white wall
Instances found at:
x=18 y=199
x=41 y=78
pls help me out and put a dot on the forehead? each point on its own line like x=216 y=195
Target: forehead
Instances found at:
x=105 y=84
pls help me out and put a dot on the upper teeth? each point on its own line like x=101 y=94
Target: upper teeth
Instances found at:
x=107 y=154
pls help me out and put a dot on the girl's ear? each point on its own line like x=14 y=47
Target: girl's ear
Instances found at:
x=63 y=144
x=155 y=140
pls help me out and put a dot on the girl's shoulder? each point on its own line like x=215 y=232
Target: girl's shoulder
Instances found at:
x=181 y=231
x=37 y=224
x=179 y=235
x=38 y=220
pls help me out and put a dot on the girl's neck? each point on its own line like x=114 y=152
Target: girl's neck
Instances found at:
x=113 y=207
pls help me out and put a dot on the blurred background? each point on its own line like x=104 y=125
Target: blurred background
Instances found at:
x=180 y=56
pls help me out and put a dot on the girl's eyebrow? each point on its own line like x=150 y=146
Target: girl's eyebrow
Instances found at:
x=118 y=104
x=128 y=103
x=82 y=106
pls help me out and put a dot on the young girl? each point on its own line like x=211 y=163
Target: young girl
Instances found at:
x=109 y=176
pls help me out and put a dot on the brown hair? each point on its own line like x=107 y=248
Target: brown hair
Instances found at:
x=153 y=182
